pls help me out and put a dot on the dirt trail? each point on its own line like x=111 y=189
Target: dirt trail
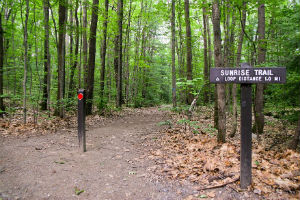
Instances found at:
x=115 y=165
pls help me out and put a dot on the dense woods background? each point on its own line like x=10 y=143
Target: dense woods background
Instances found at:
x=144 y=53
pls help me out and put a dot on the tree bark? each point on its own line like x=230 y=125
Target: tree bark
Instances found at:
x=91 y=63
x=127 y=47
x=206 y=73
x=173 y=55
x=119 y=99
x=61 y=57
x=84 y=42
x=259 y=92
x=294 y=143
x=2 y=108
x=210 y=63
x=238 y=59
x=25 y=61
x=71 y=55
x=179 y=47
x=116 y=62
x=75 y=57
x=103 y=55
x=135 y=88
x=45 y=104
x=188 y=49
x=218 y=63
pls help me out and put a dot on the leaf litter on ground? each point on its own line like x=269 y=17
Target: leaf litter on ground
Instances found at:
x=14 y=126
x=199 y=158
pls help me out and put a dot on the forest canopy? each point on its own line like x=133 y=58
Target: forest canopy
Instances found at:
x=127 y=52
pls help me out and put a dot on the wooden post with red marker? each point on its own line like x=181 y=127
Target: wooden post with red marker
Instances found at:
x=81 y=119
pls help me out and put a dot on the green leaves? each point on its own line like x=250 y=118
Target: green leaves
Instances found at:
x=78 y=191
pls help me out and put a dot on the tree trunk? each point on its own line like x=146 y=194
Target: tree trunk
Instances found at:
x=294 y=143
x=25 y=61
x=238 y=59
x=120 y=56
x=216 y=117
x=103 y=55
x=45 y=104
x=227 y=46
x=218 y=63
x=180 y=49
x=2 y=108
x=210 y=63
x=92 y=52
x=173 y=55
x=75 y=57
x=84 y=42
x=71 y=55
x=206 y=73
x=116 y=62
x=259 y=92
x=127 y=47
x=36 y=106
x=189 y=69
x=61 y=57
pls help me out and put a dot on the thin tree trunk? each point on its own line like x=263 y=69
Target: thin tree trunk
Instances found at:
x=180 y=48
x=61 y=58
x=294 y=143
x=85 y=44
x=75 y=57
x=259 y=92
x=127 y=47
x=216 y=117
x=120 y=64
x=238 y=59
x=218 y=63
x=71 y=55
x=173 y=55
x=2 y=108
x=226 y=48
x=92 y=52
x=14 y=58
x=230 y=54
x=103 y=54
x=25 y=61
x=135 y=89
x=189 y=68
x=45 y=105
x=81 y=50
x=206 y=74
x=36 y=106
x=54 y=23
x=210 y=63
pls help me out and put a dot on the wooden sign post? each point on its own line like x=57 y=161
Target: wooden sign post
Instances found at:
x=81 y=119
x=245 y=76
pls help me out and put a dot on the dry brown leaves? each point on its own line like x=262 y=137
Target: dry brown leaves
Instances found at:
x=43 y=125
x=201 y=159
x=14 y=126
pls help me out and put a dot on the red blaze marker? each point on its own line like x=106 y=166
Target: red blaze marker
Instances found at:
x=80 y=96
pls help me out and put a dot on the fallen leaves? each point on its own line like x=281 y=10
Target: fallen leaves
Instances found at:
x=78 y=191
x=200 y=159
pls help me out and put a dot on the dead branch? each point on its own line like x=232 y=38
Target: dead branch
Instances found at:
x=221 y=185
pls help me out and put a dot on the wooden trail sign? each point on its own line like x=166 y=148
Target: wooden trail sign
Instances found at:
x=81 y=119
x=246 y=75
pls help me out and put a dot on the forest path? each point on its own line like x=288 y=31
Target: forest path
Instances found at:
x=115 y=165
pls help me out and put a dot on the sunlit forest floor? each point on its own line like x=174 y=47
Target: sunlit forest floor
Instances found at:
x=148 y=153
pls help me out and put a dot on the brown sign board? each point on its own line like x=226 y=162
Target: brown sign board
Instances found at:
x=248 y=75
